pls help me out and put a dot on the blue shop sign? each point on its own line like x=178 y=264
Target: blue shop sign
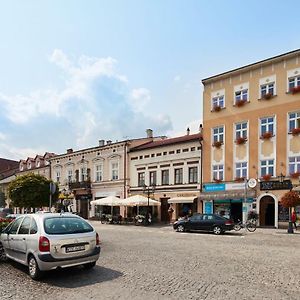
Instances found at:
x=211 y=187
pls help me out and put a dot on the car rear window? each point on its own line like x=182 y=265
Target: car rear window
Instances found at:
x=66 y=225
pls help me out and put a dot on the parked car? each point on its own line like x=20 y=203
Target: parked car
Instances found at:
x=49 y=241
x=206 y=222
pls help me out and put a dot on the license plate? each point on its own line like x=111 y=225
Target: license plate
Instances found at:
x=74 y=249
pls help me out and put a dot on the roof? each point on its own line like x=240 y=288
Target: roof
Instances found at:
x=8 y=167
x=261 y=62
x=170 y=141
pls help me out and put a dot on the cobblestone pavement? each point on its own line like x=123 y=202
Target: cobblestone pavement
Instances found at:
x=158 y=263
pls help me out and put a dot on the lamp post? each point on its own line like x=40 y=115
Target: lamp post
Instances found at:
x=148 y=190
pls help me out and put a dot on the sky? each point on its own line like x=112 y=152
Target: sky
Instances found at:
x=75 y=72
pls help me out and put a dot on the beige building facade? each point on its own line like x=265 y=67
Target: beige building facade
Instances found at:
x=170 y=168
x=251 y=131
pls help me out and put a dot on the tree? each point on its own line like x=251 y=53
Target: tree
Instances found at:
x=31 y=190
x=2 y=199
x=290 y=199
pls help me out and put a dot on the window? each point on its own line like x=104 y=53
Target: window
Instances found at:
x=38 y=164
x=165 y=153
x=114 y=170
x=15 y=226
x=218 y=101
x=241 y=130
x=70 y=175
x=193 y=175
x=33 y=227
x=165 y=177
x=218 y=172
x=57 y=176
x=29 y=166
x=178 y=176
x=141 y=179
x=267 y=89
x=241 y=95
x=267 y=167
x=294 y=121
x=294 y=164
x=267 y=125
x=98 y=173
x=24 y=228
x=241 y=170
x=294 y=82
x=193 y=148
x=218 y=134
x=83 y=172
x=152 y=177
x=178 y=151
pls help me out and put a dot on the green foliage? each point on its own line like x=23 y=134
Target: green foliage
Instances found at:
x=31 y=190
x=2 y=199
x=3 y=225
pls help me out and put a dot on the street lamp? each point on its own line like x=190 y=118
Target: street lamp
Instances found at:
x=148 y=190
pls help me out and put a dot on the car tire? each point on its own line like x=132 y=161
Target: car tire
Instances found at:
x=217 y=230
x=180 y=228
x=33 y=268
x=3 y=256
x=89 y=265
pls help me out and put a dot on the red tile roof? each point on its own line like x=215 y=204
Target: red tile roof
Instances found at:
x=170 y=141
x=7 y=167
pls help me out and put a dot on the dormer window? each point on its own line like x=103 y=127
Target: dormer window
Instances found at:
x=29 y=166
x=21 y=167
x=38 y=163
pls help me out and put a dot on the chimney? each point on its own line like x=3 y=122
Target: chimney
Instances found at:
x=108 y=142
x=70 y=150
x=101 y=142
x=188 y=131
x=149 y=133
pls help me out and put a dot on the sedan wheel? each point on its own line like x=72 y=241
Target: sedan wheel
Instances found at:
x=3 y=256
x=33 y=268
x=217 y=230
x=180 y=228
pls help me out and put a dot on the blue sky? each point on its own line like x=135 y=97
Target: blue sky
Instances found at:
x=74 y=72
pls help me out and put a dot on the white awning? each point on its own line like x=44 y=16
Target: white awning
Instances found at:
x=181 y=200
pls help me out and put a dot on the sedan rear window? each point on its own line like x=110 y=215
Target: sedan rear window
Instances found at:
x=66 y=225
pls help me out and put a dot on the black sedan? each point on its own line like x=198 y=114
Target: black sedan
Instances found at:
x=206 y=222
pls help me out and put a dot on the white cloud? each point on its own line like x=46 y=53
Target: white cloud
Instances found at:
x=139 y=98
x=2 y=136
x=177 y=78
x=95 y=102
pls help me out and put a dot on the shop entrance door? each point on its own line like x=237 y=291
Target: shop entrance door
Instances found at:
x=267 y=211
x=164 y=210
x=236 y=211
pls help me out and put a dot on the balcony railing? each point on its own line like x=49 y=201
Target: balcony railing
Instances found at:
x=73 y=185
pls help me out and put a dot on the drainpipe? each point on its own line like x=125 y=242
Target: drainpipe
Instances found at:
x=125 y=169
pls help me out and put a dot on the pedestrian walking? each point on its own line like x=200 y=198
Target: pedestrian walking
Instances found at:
x=294 y=219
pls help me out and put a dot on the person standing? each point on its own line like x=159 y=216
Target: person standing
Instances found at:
x=294 y=219
x=170 y=212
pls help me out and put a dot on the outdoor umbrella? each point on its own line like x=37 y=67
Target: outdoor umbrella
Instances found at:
x=109 y=201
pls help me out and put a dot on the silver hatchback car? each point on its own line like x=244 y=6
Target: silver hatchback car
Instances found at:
x=46 y=241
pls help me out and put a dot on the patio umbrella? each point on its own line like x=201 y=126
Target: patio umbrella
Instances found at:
x=109 y=201
x=139 y=200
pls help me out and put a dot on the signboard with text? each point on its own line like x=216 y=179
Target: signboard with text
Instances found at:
x=275 y=185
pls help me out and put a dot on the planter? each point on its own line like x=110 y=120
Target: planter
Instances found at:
x=267 y=96
x=240 y=141
x=296 y=131
x=216 y=180
x=217 y=144
x=295 y=175
x=266 y=177
x=295 y=90
x=266 y=135
x=239 y=179
x=240 y=103
x=217 y=108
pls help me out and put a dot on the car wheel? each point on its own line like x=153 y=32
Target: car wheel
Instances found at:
x=3 y=256
x=33 y=268
x=89 y=265
x=180 y=228
x=217 y=230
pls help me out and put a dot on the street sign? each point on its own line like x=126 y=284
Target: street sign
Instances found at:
x=52 y=188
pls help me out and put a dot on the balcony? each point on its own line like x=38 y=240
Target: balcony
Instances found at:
x=76 y=185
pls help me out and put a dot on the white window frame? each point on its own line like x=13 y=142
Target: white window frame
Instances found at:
x=294 y=164
x=114 y=168
x=241 y=95
x=294 y=122
x=162 y=177
x=83 y=173
x=241 y=169
x=218 y=101
x=141 y=179
x=218 y=134
x=58 y=175
x=153 y=179
x=241 y=132
x=69 y=175
x=268 y=88
x=38 y=163
x=295 y=80
x=268 y=164
x=98 y=172
x=218 y=172
x=265 y=127
x=193 y=176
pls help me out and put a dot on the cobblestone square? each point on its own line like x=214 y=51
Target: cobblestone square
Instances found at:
x=158 y=263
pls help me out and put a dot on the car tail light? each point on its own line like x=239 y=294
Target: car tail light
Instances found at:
x=97 y=239
x=229 y=222
x=44 y=244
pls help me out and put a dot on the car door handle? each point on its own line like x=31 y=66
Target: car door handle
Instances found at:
x=24 y=239
x=11 y=239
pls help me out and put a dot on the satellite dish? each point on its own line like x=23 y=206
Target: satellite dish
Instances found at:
x=252 y=183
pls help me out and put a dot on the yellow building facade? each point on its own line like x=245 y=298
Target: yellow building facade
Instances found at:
x=251 y=131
